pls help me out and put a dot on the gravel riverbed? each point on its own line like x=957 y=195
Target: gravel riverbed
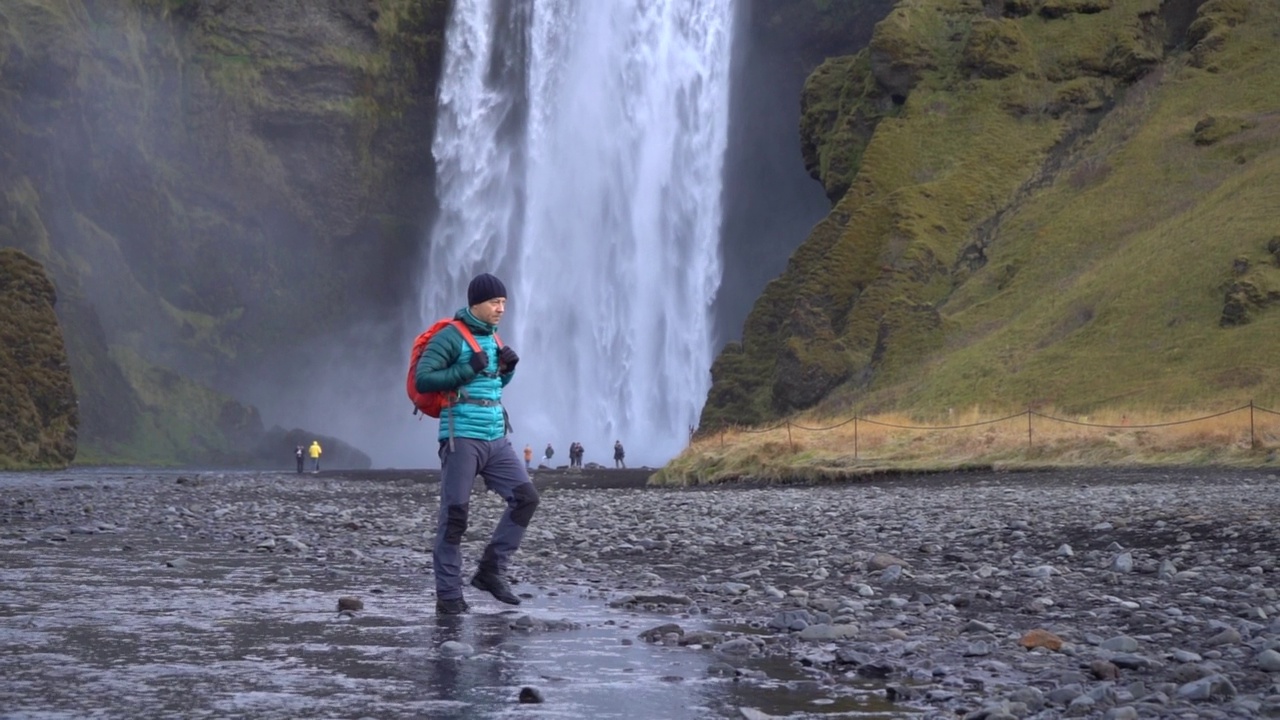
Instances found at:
x=1084 y=593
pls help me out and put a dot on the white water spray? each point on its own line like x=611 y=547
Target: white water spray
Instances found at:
x=579 y=151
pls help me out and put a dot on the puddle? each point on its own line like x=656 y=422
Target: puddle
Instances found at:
x=90 y=629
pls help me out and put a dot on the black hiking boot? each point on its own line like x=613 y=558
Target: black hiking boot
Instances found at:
x=492 y=583
x=452 y=606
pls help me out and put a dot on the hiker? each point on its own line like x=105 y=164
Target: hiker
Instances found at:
x=618 y=455
x=299 y=455
x=550 y=451
x=315 y=455
x=528 y=458
x=578 y=451
x=473 y=441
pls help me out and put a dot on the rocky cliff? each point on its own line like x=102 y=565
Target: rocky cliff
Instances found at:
x=209 y=181
x=37 y=399
x=1064 y=202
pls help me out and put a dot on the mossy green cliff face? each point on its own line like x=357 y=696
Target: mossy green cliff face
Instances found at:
x=1037 y=201
x=37 y=399
x=208 y=182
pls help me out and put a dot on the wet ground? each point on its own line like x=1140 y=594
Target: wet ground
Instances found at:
x=116 y=602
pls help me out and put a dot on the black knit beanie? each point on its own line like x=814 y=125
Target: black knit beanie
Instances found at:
x=485 y=287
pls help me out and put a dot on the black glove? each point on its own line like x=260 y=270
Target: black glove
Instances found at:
x=507 y=359
x=479 y=361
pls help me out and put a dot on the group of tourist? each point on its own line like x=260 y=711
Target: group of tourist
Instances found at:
x=575 y=455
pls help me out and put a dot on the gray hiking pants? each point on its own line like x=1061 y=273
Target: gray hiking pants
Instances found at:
x=504 y=474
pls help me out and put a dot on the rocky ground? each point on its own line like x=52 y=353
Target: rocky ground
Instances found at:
x=1097 y=593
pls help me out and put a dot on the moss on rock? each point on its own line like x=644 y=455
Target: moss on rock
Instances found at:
x=839 y=109
x=37 y=398
x=997 y=48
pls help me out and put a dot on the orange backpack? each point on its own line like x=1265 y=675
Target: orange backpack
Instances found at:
x=434 y=402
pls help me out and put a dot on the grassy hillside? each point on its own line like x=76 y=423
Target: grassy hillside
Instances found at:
x=1059 y=203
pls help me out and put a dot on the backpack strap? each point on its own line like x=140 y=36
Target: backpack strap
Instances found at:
x=468 y=335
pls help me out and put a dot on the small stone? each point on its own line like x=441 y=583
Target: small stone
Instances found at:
x=721 y=670
x=1081 y=706
x=1123 y=563
x=1041 y=639
x=977 y=626
x=530 y=695
x=1214 y=687
x=349 y=602
x=1132 y=661
x=1030 y=697
x=882 y=561
x=1229 y=636
x=453 y=648
x=827 y=633
x=977 y=649
x=1104 y=670
x=1121 y=643
x=1268 y=660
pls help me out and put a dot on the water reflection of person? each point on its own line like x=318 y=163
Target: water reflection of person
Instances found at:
x=488 y=677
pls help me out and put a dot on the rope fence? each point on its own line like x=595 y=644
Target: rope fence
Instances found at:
x=1030 y=414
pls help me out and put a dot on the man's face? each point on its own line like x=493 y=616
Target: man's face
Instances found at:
x=490 y=311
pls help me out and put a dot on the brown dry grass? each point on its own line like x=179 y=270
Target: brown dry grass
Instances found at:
x=812 y=447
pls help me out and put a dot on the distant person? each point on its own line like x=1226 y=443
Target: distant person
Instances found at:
x=473 y=441
x=528 y=458
x=619 y=455
x=315 y=455
x=300 y=456
x=578 y=452
x=549 y=453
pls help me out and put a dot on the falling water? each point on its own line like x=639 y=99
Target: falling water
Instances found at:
x=579 y=153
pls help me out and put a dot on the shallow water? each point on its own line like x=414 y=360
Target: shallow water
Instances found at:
x=96 y=625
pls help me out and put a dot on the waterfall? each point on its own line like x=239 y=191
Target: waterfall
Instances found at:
x=579 y=152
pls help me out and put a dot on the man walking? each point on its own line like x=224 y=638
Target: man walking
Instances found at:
x=619 y=455
x=473 y=441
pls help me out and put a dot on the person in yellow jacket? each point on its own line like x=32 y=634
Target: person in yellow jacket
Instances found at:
x=315 y=455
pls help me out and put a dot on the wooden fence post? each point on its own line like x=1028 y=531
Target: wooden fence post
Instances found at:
x=1253 y=443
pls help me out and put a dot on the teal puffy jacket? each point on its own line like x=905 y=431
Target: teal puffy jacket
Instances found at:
x=446 y=365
